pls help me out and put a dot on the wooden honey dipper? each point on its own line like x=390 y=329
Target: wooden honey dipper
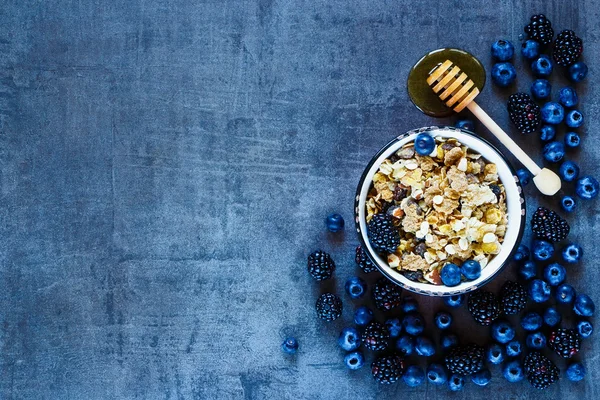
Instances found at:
x=457 y=91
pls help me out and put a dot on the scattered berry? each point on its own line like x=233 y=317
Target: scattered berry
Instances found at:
x=413 y=323
x=450 y=274
x=540 y=371
x=547 y=133
x=443 y=320
x=482 y=378
x=567 y=48
x=542 y=250
x=539 y=291
x=528 y=270
x=329 y=307
x=530 y=49
x=448 y=340
x=375 y=337
x=542 y=66
x=413 y=376
x=572 y=139
x=554 y=151
x=394 y=327
x=465 y=360
x=455 y=300
x=409 y=304
x=502 y=331
x=574 y=119
x=540 y=30
x=553 y=113
x=522 y=253
x=524 y=176
x=540 y=89
x=575 y=372
x=523 y=112
x=466 y=124
x=349 y=339
x=436 y=374
x=565 y=294
x=386 y=294
x=513 y=348
x=546 y=224
x=536 y=340
x=405 y=345
x=320 y=265
x=568 y=97
x=484 y=307
x=587 y=187
x=424 y=346
x=334 y=222
x=584 y=305
x=569 y=170
x=494 y=354
x=354 y=360
x=502 y=50
x=555 y=274
x=513 y=371
x=356 y=287
x=552 y=316
x=565 y=342
x=568 y=203
x=503 y=74
x=387 y=369
x=424 y=144
x=363 y=315
x=363 y=261
x=290 y=345
x=572 y=253
x=578 y=71
x=585 y=329
x=456 y=382
x=513 y=298
x=532 y=321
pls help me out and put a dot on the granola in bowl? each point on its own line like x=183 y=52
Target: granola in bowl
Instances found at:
x=448 y=207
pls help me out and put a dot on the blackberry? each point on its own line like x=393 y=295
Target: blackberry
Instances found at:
x=363 y=261
x=541 y=372
x=465 y=360
x=376 y=336
x=386 y=294
x=548 y=225
x=329 y=307
x=484 y=307
x=383 y=235
x=415 y=276
x=565 y=342
x=540 y=29
x=387 y=369
x=320 y=265
x=524 y=112
x=567 y=48
x=513 y=298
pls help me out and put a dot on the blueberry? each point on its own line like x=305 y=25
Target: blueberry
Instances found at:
x=540 y=89
x=522 y=253
x=363 y=315
x=554 y=151
x=532 y=321
x=575 y=372
x=542 y=66
x=524 y=176
x=568 y=97
x=547 y=133
x=413 y=376
x=405 y=345
x=536 y=340
x=456 y=382
x=413 y=323
x=455 y=300
x=513 y=348
x=503 y=74
x=552 y=316
x=572 y=139
x=424 y=144
x=482 y=378
x=574 y=119
x=354 y=360
x=334 y=222
x=568 y=203
x=394 y=327
x=471 y=269
x=502 y=331
x=530 y=49
x=539 y=291
x=502 y=50
x=553 y=113
x=448 y=340
x=572 y=253
x=450 y=274
x=494 y=354
x=528 y=270
x=289 y=345
x=565 y=294
x=578 y=71
x=587 y=187
x=349 y=339
x=443 y=320
x=436 y=374
x=584 y=305
x=356 y=287
x=513 y=371
x=466 y=124
x=569 y=171
x=409 y=304
x=424 y=346
x=542 y=250
x=585 y=329
x=554 y=274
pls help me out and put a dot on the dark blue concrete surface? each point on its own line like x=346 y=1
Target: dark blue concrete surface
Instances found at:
x=165 y=168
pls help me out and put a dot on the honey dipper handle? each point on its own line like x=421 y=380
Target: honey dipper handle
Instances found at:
x=504 y=138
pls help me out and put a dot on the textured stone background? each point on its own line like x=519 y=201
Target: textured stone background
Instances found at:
x=165 y=168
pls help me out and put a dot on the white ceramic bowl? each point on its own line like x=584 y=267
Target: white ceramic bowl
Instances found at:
x=515 y=210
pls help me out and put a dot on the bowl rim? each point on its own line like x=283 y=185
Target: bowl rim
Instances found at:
x=434 y=291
